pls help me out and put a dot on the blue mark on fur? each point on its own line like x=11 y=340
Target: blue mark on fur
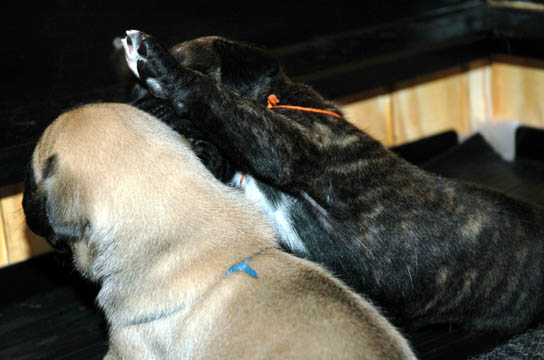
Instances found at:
x=243 y=267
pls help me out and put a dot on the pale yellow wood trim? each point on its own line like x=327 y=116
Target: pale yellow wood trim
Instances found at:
x=18 y=247
x=517 y=93
x=464 y=93
x=480 y=101
x=3 y=241
x=389 y=125
x=431 y=107
x=517 y=5
x=458 y=99
x=21 y=242
x=371 y=116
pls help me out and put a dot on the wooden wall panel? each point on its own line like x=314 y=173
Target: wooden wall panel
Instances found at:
x=21 y=243
x=372 y=116
x=431 y=107
x=480 y=97
x=516 y=4
x=462 y=100
x=3 y=242
x=518 y=93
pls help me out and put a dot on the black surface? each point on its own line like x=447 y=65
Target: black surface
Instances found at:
x=529 y=144
x=420 y=151
x=53 y=325
x=13 y=163
x=47 y=312
x=475 y=161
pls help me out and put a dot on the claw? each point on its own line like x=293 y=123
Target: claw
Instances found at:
x=131 y=43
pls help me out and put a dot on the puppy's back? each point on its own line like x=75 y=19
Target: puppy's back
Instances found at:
x=294 y=310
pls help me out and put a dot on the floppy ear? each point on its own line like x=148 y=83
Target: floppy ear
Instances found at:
x=63 y=207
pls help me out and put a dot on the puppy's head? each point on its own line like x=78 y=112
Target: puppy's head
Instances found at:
x=54 y=198
x=50 y=201
x=94 y=178
x=243 y=69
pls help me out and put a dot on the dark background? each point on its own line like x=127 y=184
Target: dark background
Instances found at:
x=59 y=54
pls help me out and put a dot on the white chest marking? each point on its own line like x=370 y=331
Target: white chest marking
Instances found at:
x=277 y=214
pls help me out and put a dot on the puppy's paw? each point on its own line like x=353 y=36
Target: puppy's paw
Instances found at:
x=131 y=44
x=163 y=75
x=150 y=62
x=212 y=158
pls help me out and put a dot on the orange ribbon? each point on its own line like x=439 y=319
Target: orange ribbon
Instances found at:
x=273 y=104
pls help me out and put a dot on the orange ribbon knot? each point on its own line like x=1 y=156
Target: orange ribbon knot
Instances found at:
x=273 y=104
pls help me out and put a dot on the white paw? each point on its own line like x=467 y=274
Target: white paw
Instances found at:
x=131 y=52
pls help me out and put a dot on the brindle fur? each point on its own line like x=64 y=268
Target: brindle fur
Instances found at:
x=148 y=222
x=428 y=249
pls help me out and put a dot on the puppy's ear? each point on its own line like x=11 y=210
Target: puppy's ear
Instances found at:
x=240 y=61
x=63 y=206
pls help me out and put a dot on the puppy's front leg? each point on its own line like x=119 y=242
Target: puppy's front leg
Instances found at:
x=246 y=131
x=206 y=151
x=214 y=161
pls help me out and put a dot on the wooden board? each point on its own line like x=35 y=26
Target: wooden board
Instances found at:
x=515 y=4
x=461 y=99
x=3 y=243
x=430 y=108
x=372 y=116
x=20 y=242
x=480 y=100
x=518 y=93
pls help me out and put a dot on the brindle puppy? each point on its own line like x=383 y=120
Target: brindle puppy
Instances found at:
x=188 y=268
x=428 y=249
